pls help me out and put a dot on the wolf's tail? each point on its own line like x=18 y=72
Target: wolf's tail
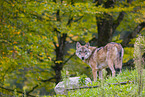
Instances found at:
x=121 y=53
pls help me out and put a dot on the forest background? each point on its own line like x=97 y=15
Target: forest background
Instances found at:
x=38 y=37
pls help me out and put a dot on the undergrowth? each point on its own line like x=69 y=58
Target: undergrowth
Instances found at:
x=108 y=90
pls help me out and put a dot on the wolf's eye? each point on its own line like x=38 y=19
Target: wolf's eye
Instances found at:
x=86 y=53
x=79 y=52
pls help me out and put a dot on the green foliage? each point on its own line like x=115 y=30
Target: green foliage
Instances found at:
x=128 y=53
x=28 y=34
x=111 y=90
x=82 y=80
x=139 y=50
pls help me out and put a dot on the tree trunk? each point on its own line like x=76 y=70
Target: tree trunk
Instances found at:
x=104 y=29
x=106 y=24
x=59 y=50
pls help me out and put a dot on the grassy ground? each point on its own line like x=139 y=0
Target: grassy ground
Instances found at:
x=105 y=90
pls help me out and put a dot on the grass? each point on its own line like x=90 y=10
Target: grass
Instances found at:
x=106 y=90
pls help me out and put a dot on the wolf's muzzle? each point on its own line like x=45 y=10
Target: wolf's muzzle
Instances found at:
x=83 y=58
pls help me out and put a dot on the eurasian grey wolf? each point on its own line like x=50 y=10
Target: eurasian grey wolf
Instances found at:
x=101 y=58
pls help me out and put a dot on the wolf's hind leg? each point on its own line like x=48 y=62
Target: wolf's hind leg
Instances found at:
x=118 y=65
x=110 y=64
x=100 y=74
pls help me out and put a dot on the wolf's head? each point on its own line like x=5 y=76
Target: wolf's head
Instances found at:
x=83 y=52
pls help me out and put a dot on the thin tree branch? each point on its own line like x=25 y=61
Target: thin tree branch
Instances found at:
x=58 y=15
x=55 y=44
x=138 y=29
x=32 y=89
x=55 y=29
x=68 y=58
x=117 y=22
x=133 y=34
x=76 y=20
x=69 y=21
x=48 y=80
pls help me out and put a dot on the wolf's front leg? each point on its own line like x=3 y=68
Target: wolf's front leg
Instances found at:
x=94 y=71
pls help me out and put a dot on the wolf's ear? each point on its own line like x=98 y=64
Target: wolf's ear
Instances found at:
x=78 y=45
x=87 y=45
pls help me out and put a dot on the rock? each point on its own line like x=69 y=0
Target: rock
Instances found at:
x=69 y=83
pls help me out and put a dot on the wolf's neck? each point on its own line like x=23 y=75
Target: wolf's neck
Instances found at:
x=90 y=57
x=92 y=48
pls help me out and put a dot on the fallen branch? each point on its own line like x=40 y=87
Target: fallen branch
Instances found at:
x=120 y=83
